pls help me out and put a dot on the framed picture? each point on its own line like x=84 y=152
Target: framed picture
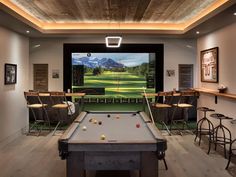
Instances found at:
x=209 y=65
x=170 y=73
x=55 y=73
x=10 y=74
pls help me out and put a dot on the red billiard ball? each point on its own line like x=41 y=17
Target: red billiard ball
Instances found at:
x=138 y=125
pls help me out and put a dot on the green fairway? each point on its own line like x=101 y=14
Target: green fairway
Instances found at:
x=117 y=84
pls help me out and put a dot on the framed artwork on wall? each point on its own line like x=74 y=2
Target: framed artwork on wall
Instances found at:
x=170 y=72
x=55 y=74
x=10 y=74
x=209 y=65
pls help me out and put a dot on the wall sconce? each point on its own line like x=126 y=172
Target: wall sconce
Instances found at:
x=113 y=41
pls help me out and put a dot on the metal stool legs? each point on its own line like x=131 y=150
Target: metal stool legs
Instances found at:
x=225 y=137
x=230 y=153
x=209 y=127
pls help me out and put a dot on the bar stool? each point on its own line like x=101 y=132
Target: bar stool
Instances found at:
x=200 y=130
x=231 y=150
x=34 y=103
x=167 y=104
x=185 y=102
x=60 y=103
x=223 y=139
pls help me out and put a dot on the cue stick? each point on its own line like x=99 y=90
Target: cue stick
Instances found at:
x=149 y=109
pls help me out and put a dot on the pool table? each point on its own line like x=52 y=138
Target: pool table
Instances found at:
x=112 y=141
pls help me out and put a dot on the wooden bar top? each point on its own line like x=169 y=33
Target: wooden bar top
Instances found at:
x=67 y=94
x=156 y=94
x=215 y=93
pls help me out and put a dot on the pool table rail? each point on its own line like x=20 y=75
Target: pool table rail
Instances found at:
x=66 y=144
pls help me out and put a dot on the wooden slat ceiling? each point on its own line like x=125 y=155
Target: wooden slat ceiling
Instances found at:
x=114 y=16
x=148 y=11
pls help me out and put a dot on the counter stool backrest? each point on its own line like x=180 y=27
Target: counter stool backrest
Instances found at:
x=168 y=97
x=188 y=97
x=32 y=98
x=58 y=97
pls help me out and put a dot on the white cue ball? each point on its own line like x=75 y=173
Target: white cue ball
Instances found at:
x=84 y=128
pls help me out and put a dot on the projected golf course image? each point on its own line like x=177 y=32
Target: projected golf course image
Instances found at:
x=123 y=75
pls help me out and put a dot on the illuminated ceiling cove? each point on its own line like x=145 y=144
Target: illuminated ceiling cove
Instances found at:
x=161 y=16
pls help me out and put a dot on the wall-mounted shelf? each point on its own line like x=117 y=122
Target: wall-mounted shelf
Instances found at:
x=216 y=93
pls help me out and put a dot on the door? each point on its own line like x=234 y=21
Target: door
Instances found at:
x=185 y=76
x=40 y=77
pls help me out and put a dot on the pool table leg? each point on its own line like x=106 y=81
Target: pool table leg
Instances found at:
x=149 y=165
x=75 y=165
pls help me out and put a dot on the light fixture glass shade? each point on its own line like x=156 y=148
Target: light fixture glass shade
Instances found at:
x=113 y=41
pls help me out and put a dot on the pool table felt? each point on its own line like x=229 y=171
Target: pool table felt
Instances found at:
x=122 y=129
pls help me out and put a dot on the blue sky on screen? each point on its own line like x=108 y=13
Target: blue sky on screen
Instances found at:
x=128 y=59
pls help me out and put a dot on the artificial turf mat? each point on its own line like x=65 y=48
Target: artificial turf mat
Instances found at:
x=125 y=107
x=113 y=107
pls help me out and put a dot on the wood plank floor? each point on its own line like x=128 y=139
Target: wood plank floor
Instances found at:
x=30 y=156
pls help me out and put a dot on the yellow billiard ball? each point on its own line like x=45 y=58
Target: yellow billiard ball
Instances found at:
x=103 y=137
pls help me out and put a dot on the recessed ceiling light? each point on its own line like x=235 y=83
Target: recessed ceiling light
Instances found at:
x=197 y=32
x=36 y=46
x=189 y=46
x=28 y=31
x=235 y=13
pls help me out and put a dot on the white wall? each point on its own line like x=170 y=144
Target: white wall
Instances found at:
x=225 y=39
x=176 y=51
x=14 y=49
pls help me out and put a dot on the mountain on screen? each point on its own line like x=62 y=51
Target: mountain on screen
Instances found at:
x=97 y=62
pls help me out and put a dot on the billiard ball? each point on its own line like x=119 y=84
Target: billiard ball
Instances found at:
x=117 y=116
x=137 y=125
x=84 y=128
x=95 y=121
x=108 y=115
x=99 y=122
x=103 y=137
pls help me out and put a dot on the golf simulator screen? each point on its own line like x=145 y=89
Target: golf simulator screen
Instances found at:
x=118 y=75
